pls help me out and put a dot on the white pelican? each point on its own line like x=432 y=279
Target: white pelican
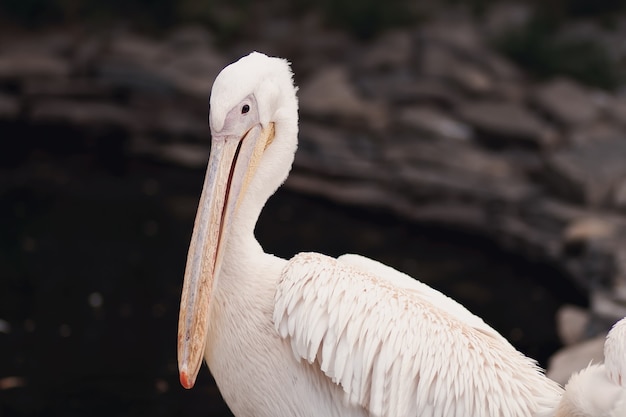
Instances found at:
x=314 y=335
x=600 y=390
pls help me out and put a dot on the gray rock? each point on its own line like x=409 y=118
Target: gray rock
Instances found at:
x=588 y=173
x=392 y=50
x=507 y=122
x=430 y=122
x=401 y=88
x=598 y=131
x=190 y=37
x=459 y=33
x=175 y=124
x=82 y=113
x=439 y=61
x=332 y=152
x=450 y=155
x=21 y=65
x=470 y=78
x=129 y=47
x=498 y=66
x=435 y=60
x=88 y=53
x=567 y=102
x=84 y=88
x=425 y=91
x=51 y=43
x=619 y=194
x=193 y=73
x=139 y=79
x=616 y=109
x=503 y=17
x=185 y=64
x=318 y=46
x=605 y=304
x=514 y=92
x=329 y=95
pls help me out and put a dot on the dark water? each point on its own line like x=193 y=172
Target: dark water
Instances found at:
x=91 y=263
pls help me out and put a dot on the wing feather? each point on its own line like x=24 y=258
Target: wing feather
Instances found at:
x=400 y=348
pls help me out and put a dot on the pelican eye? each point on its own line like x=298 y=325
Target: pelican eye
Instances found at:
x=245 y=109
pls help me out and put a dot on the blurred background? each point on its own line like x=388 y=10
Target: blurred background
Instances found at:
x=479 y=146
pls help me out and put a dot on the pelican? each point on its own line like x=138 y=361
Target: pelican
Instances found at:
x=599 y=390
x=315 y=335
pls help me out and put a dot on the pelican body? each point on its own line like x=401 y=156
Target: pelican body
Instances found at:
x=314 y=335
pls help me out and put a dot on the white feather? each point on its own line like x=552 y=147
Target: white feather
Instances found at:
x=403 y=345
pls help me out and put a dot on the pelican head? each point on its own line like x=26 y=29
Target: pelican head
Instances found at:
x=253 y=122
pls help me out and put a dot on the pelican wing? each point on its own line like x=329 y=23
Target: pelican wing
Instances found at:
x=420 y=290
x=399 y=348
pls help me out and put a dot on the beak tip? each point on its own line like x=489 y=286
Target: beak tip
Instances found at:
x=185 y=380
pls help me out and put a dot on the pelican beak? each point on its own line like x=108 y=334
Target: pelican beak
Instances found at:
x=232 y=163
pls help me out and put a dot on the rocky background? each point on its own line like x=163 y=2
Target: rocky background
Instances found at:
x=439 y=121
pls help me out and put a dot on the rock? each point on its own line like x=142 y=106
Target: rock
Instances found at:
x=575 y=358
x=192 y=37
x=330 y=96
x=571 y=324
x=129 y=47
x=507 y=122
x=452 y=170
x=318 y=46
x=499 y=67
x=9 y=107
x=435 y=60
x=588 y=173
x=567 y=102
x=428 y=121
x=470 y=78
x=400 y=87
x=595 y=132
x=332 y=152
x=84 y=88
x=345 y=192
x=505 y=17
x=53 y=42
x=392 y=50
x=460 y=34
x=514 y=92
x=425 y=91
x=139 y=79
x=438 y=61
x=186 y=64
x=587 y=229
x=606 y=305
x=615 y=108
x=175 y=124
x=619 y=195
x=20 y=65
x=81 y=113
x=193 y=73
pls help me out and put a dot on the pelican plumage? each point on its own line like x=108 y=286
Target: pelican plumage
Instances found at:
x=599 y=390
x=314 y=335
